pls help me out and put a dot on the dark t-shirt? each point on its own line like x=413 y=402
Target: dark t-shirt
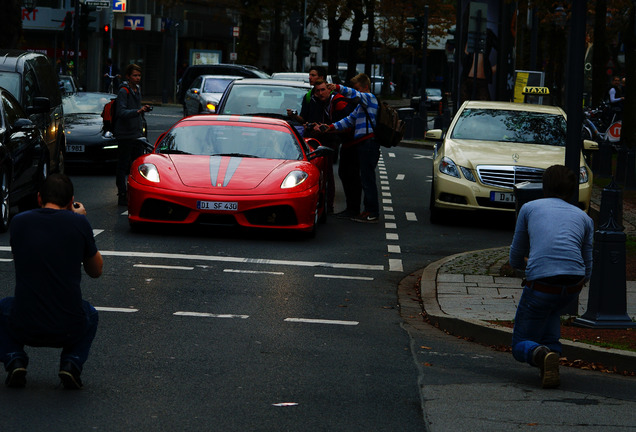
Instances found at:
x=48 y=248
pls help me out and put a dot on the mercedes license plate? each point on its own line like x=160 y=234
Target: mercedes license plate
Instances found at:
x=217 y=205
x=502 y=197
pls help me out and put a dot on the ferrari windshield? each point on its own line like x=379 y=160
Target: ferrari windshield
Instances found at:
x=230 y=140
x=85 y=103
x=258 y=99
x=523 y=127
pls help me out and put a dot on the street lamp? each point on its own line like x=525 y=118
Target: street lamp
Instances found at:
x=29 y=5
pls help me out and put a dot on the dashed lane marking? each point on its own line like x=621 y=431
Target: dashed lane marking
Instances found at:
x=114 y=309
x=321 y=321
x=410 y=216
x=250 y=271
x=400 y=177
x=209 y=315
x=167 y=267
x=343 y=277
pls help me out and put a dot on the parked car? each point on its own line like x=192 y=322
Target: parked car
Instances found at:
x=263 y=96
x=291 y=76
x=490 y=147
x=68 y=84
x=230 y=170
x=205 y=92
x=434 y=99
x=86 y=142
x=194 y=71
x=24 y=163
x=30 y=78
x=376 y=85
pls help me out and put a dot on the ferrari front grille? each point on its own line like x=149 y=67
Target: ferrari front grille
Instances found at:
x=508 y=176
x=272 y=216
x=154 y=209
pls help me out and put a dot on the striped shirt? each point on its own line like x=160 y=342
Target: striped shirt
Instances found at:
x=358 y=119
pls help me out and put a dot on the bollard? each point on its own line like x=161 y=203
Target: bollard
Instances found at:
x=607 y=300
x=611 y=205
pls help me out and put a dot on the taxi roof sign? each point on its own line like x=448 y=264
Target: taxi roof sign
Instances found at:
x=536 y=91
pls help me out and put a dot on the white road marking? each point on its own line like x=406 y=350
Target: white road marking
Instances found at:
x=394 y=249
x=392 y=236
x=6 y=259
x=209 y=315
x=168 y=267
x=343 y=277
x=391 y=154
x=410 y=216
x=387 y=201
x=160 y=255
x=419 y=156
x=395 y=265
x=114 y=309
x=321 y=321
x=390 y=225
x=386 y=194
x=386 y=187
x=387 y=209
x=384 y=182
x=125 y=213
x=97 y=232
x=389 y=216
x=251 y=272
x=384 y=177
x=400 y=177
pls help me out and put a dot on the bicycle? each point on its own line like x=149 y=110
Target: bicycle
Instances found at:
x=111 y=86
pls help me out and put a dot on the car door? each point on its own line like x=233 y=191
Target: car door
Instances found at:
x=23 y=147
x=192 y=95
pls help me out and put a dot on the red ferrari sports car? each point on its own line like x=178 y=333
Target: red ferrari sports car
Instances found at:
x=230 y=170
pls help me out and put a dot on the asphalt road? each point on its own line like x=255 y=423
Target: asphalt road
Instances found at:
x=207 y=329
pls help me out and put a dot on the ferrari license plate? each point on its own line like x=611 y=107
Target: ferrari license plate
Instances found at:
x=75 y=148
x=502 y=197
x=217 y=205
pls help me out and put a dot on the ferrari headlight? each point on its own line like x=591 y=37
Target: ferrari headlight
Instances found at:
x=149 y=172
x=583 y=177
x=448 y=167
x=293 y=179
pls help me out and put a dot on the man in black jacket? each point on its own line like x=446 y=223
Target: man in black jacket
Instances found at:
x=128 y=127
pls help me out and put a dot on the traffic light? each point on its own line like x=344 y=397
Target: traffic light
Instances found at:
x=415 y=32
x=306 y=44
x=106 y=28
x=85 y=19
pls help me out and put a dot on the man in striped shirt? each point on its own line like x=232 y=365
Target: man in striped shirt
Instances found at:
x=364 y=145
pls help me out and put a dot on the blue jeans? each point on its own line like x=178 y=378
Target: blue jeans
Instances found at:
x=538 y=322
x=368 y=155
x=74 y=350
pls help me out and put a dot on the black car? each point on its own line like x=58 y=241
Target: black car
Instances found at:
x=29 y=76
x=24 y=163
x=86 y=142
x=194 y=71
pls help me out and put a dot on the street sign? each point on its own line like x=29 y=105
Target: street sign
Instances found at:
x=235 y=31
x=98 y=3
x=233 y=56
x=119 y=5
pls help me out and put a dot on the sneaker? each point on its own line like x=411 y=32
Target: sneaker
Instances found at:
x=366 y=217
x=70 y=376
x=16 y=377
x=550 y=371
x=345 y=214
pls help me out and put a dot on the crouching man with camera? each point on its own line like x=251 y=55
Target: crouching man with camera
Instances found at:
x=49 y=247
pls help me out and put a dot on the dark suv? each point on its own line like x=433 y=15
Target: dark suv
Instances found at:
x=192 y=72
x=30 y=77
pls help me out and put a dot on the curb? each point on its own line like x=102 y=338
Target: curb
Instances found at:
x=491 y=334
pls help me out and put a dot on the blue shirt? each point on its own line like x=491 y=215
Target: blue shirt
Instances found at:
x=556 y=237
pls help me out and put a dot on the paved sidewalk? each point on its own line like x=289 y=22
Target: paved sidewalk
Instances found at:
x=462 y=293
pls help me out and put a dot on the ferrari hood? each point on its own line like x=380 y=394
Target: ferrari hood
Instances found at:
x=223 y=172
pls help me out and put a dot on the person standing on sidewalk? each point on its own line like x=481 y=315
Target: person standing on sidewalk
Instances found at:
x=553 y=242
x=362 y=120
x=50 y=245
x=128 y=128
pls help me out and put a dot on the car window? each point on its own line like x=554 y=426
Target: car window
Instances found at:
x=231 y=140
x=196 y=84
x=253 y=99
x=84 y=103
x=10 y=81
x=433 y=92
x=511 y=126
x=47 y=82
x=12 y=110
x=216 y=85
x=31 y=89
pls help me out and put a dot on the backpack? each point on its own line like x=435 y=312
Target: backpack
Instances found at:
x=109 y=115
x=389 y=129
